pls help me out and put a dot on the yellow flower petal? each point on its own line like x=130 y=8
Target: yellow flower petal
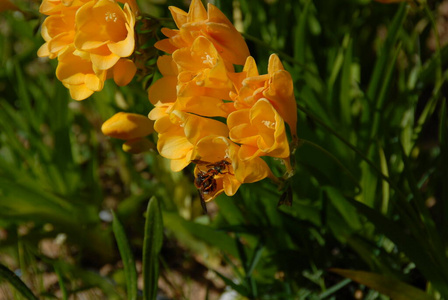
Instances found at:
x=281 y=95
x=169 y=32
x=43 y=51
x=215 y=15
x=230 y=185
x=93 y=82
x=177 y=165
x=202 y=106
x=127 y=126
x=197 y=11
x=274 y=64
x=173 y=146
x=179 y=16
x=166 y=65
x=252 y=170
x=159 y=111
x=163 y=90
x=104 y=62
x=197 y=127
x=165 y=45
x=79 y=92
x=124 y=70
x=229 y=42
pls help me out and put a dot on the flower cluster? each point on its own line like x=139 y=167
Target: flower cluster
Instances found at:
x=91 y=40
x=200 y=88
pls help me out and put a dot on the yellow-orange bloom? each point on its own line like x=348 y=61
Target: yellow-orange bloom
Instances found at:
x=202 y=72
x=202 y=85
x=127 y=126
x=212 y=149
x=105 y=31
x=179 y=132
x=276 y=87
x=78 y=75
x=212 y=24
x=260 y=130
x=58 y=31
x=91 y=39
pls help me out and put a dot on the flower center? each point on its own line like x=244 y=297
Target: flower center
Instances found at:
x=268 y=124
x=208 y=60
x=111 y=17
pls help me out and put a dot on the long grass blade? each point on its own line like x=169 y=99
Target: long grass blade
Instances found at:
x=152 y=244
x=394 y=288
x=62 y=287
x=16 y=282
x=130 y=271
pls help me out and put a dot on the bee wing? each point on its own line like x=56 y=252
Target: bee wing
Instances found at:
x=203 y=204
x=201 y=162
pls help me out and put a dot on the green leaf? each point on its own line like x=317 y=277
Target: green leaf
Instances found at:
x=127 y=258
x=331 y=290
x=15 y=281
x=394 y=288
x=211 y=236
x=345 y=96
x=88 y=278
x=58 y=272
x=152 y=244
x=383 y=59
x=414 y=246
x=258 y=251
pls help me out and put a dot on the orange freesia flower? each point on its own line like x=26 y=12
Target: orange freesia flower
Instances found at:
x=202 y=72
x=91 y=40
x=260 y=130
x=58 y=32
x=130 y=127
x=276 y=87
x=203 y=87
x=213 y=149
x=78 y=74
x=127 y=126
x=105 y=31
x=212 y=24
x=179 y=132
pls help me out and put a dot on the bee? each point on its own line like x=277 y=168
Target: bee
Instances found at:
x=205 y=181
